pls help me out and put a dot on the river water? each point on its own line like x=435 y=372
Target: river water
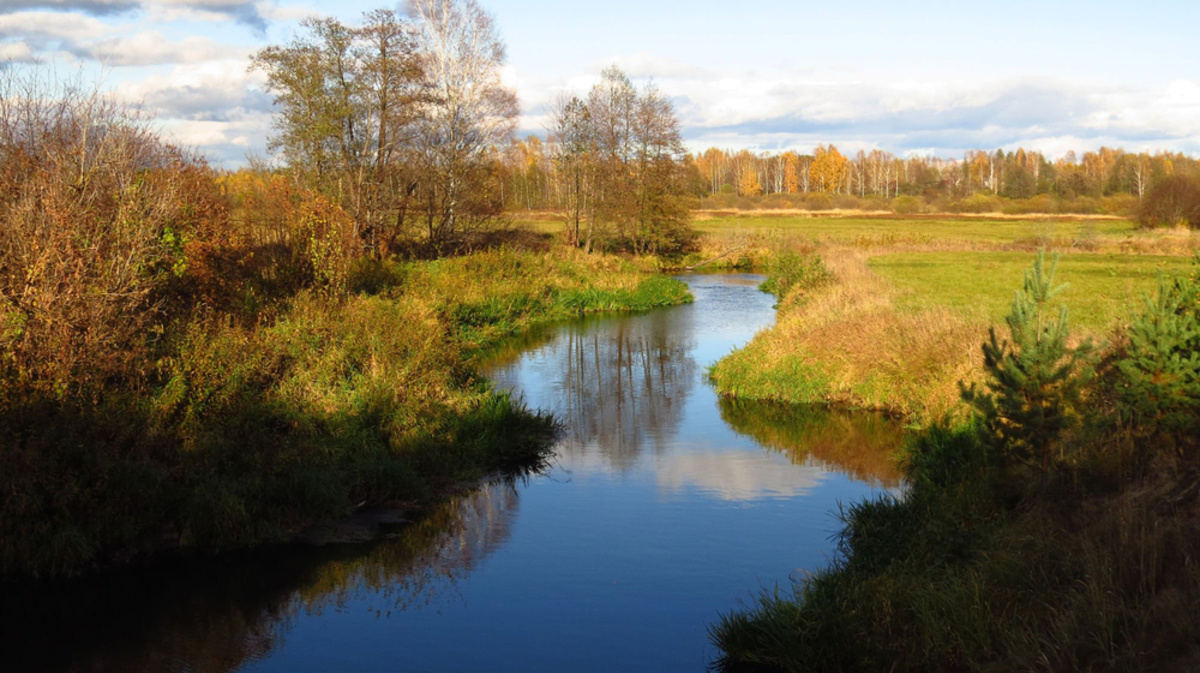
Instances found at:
x=664 y=507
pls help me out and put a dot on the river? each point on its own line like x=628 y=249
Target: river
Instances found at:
x=663 y=507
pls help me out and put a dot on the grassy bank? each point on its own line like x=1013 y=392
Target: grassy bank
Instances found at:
x=250 y=430
x=849 y=342
x=898 y=322
x=1046 y=535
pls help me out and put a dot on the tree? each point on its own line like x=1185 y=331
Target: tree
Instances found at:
x=748 y=184
x=1171 y=201
x=828 y=168
x=348 y=99
x=619 y=161
x=661 y=210
x=571 y=133
x=469 y=113
x=791 y=173
x=1035 y=379
x=1159 y=387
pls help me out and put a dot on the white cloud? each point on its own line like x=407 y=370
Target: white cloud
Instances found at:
x=154 y=48
x=17 y=52
x=41 y=26
x=243 y=11
x=799 y=108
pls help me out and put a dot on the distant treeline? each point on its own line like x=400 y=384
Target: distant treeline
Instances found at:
x=1108 y=180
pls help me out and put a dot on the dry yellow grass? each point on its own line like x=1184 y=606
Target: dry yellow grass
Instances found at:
x=852 y=344
x=706 y=214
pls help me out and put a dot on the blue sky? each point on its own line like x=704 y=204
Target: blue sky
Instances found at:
x=916 y=77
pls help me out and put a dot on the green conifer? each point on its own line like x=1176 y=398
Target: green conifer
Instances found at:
x=1035 y=380
x=1159 y=389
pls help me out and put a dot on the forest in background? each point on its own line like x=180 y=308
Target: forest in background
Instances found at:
x=1105 y=182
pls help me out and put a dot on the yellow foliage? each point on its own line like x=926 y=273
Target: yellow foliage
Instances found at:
x=828 y=168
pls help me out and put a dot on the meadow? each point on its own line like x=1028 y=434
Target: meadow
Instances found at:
x=910 y=299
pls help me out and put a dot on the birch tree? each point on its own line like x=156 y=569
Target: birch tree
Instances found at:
x=470 y=113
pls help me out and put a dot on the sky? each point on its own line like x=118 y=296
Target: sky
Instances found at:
x=919 y=77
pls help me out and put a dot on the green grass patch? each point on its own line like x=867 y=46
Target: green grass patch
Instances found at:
x=1103 y=289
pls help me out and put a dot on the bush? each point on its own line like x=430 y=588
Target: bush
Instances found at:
x=977 y=203
x=100 y=218
x=817 y=202
x=1170 y=202
x=907 y=205
x=1121 y=205
x=1042 y=203
x=795 y=271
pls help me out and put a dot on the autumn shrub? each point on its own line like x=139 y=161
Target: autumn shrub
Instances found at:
x=1082 y=205
x=100 y=218
x=782 y=201
x=1121 y=205
x=849 y=202
x=1172 y=201
x=791 y=271
x=1040 y=204
x=301 y=238
x=976 y=203
x=907 y=205
x=818 y=202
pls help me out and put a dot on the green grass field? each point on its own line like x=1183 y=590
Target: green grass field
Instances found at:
x=1102 y=289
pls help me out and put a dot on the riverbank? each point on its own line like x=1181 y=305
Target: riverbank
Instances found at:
x=1053 y=527
x=897 y=327
x=251 y=431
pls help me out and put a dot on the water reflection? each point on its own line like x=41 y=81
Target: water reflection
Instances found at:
x=861 y=445
x=216 y=615
x=619 y=385
x=677 y=505
x=737 y=476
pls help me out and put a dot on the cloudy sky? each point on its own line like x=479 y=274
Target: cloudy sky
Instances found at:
x=914 y=77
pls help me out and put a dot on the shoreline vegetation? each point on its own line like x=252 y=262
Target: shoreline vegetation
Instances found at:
x=253 y=433
x=202 y=359
x=1050 y=516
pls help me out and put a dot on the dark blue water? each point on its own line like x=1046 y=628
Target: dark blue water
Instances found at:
x=664 y=507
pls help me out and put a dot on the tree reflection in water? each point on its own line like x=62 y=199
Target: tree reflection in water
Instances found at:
x=217 y=614
x=861 y=445
x=618 y=385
